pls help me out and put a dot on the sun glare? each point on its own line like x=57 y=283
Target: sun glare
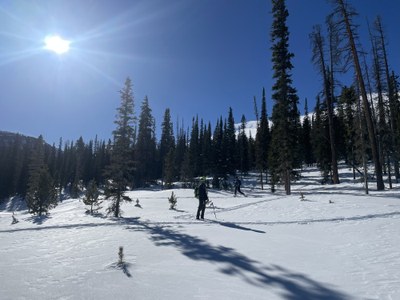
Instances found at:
x=56 y=44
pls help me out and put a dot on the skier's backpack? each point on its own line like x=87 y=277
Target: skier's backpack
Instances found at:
x=196 y=192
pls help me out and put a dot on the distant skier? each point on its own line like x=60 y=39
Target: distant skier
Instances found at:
x=201 y=194
x=238 y=183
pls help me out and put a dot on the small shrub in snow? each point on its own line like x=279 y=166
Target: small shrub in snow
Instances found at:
x=172 y=201
x=138 y=204
x=92 y=196
x=121 y=256
x=302 y=197
x=14 y=220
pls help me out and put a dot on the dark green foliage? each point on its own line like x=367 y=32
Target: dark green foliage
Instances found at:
x=263 y=139
x=194 y=148
x=347 y=105
x=172 y=201
x=145 y=148
x=230 y=144
x=284 y=149
x=92 y=196
x=119 y=171
x=41 y=195
x=243 y=148
x=320 y=141
x=166 y=150
x=308 y=155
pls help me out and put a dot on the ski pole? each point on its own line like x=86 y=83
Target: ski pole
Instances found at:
x=213 y=209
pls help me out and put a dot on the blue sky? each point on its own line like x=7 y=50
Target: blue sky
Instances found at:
x=196 y=57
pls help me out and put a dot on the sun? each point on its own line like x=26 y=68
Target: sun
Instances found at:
x=56 y=44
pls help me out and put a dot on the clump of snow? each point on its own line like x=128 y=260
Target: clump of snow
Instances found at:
x=335 y=243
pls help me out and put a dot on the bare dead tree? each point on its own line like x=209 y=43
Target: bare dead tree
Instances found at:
x=344 y=16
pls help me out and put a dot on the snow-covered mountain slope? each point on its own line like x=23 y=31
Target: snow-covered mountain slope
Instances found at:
x=336 y=244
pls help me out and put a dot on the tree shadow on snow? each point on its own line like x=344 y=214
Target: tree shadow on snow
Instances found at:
x=292 y=285
x=39 y=220
x=124 y=267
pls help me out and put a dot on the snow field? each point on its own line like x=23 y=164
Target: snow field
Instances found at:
x=264 y=246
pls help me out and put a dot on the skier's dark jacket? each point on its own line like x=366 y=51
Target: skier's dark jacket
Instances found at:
x=202 y=192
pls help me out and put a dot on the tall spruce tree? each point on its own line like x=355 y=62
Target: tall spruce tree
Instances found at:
x=263 y=140
x=230 y=138
x=283 y=154
x=308 y=157
x=243 y=147
x=41 y=195
x=194 y=148
x=145 y=149
x=167 y=145
x=119 y=171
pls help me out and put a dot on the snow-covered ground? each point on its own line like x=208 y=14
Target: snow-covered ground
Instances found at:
x=336 y=244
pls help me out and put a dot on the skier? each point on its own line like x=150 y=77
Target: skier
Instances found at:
x=238 y=183
x=202 y=196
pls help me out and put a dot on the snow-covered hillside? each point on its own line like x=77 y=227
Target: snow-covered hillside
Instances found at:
x=336 y=244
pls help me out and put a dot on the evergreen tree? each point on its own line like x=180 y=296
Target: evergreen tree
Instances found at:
x=146 y=146
x=167 y=144
x=306 y=137
x=41 y=195
x=351 y=127
x=285 y=115
x=169 y=168
x=119 y=171
x=92 y=195
x=263 y=140
x=207 y=150
x=194 y=148
x=230 y=138
x=218 y=150
x=320 y=134
x=181 y=149
x=243 y=148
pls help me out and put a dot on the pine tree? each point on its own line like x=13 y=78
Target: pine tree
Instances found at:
x=285 y=115
x=230 y=138
x=219 y=169
x=41 y=195
x=119 y=171
x=194 y=147
x=306 y=137
x=320 y=136
x=92 y=195
x=181 y=149
x=243 y=148
x=167 y=145
x=263 y=140
x=145 y=149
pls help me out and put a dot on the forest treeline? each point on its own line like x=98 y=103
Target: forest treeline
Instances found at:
x=356 y=122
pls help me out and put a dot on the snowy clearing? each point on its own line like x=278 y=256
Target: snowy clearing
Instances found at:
x=336 y=244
